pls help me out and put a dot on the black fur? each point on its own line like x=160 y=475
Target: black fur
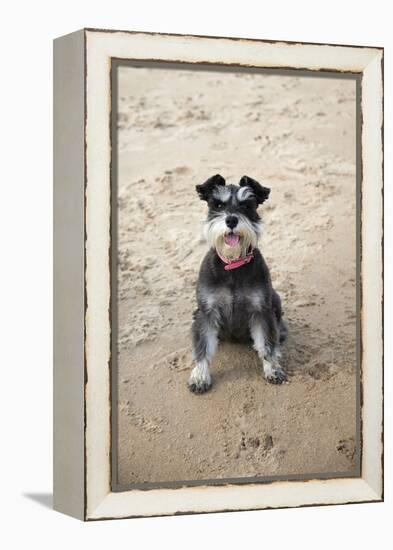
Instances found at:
x=261 y=193
x=236 y=326
x=205 y=189
x=230 y=302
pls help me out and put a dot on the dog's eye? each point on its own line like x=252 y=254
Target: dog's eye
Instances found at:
x=218 y=205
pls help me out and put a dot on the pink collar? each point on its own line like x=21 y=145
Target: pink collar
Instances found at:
x=234 y=264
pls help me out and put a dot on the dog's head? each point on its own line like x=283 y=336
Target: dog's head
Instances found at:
x=233 y=224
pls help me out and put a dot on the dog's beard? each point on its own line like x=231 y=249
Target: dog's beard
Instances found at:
x=249 y=232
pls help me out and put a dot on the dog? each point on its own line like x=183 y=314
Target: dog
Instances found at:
x=235 y=297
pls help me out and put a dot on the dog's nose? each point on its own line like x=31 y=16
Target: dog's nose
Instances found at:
x=231 y=221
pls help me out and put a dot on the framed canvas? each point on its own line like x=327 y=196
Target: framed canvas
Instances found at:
x=204 y=361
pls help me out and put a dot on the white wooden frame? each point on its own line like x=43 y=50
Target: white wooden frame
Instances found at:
x=82 y=437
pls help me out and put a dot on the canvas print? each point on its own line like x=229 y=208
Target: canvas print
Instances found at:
x=235 y=310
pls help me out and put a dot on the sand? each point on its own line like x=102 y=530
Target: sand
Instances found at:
x=295 y=135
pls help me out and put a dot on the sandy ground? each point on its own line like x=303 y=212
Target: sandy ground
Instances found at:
x=297 y=136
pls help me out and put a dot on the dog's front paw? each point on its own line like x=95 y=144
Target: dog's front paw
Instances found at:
x=274 y=374
x=199 y=381
x=199 y=387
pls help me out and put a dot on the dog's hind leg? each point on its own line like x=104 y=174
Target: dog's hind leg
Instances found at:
x=282 y=327
x=283 y=331
x=265 y=335
x=204 y=340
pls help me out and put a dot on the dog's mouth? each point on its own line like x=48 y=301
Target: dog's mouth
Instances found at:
x=231 y=239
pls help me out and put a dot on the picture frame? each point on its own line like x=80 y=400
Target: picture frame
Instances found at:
x=83 y=214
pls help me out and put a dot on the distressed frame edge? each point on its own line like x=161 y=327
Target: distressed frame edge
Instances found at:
x=69 y=489
x=236 y=38
x=374 y=495
x=360 y=492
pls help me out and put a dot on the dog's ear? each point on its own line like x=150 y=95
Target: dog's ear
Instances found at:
x=261 y=193
x=205 y=189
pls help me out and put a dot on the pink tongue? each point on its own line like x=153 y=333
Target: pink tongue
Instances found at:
x=231 y=239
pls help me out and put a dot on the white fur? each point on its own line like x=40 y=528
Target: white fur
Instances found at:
x=222 y=193
x=244 y=193
x=200 y=374
x=257 y=299
x=216 y=229
x=270 y=362
x=259 y=340
x=212 y=342
x=222 y=296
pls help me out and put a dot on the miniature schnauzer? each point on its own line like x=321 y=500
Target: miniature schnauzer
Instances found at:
x=235 y=297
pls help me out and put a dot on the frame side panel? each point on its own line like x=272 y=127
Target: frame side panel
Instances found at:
x=372 y=274
x=68 y=242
